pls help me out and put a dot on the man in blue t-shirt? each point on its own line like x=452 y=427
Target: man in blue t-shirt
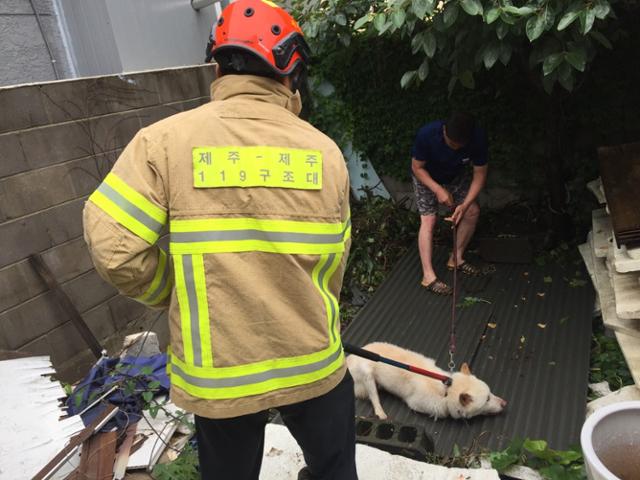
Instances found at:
x=441 y=158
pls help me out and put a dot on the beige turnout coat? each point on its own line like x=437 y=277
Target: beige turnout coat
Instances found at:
x=256 y=205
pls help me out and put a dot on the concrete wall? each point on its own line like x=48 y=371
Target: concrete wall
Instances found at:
x=57 y=141
x=23 y=53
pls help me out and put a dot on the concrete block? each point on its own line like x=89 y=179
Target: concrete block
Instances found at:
x=604 y=288
x=56 y=144
x=66 y=101
x=206 y=76
x=602 y=232
x=101 y=323
x=65 y=342
x=630 y=347
x=19 y=282
x=111 y=132
x=39 y=346
x=53 y=34
x=41 y=231
x=124 y=311
x=178 y=84
x=119 y=93
x=75 y=368
x=12 y=159
x=31 y=320
x=151 y=115
x=195 y=103
x=25 y=104
x=88 y=290
x=143 y=344
x=39 y=189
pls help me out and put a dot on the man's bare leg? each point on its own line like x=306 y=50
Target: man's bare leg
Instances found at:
x=425 y=247
x=466 y=228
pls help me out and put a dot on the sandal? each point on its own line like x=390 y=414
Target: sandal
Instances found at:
x=468 y=269
x=438 y=287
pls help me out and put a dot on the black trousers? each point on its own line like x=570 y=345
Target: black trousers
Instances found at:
x=324 y=427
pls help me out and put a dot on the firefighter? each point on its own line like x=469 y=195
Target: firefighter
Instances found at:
x=256 y=204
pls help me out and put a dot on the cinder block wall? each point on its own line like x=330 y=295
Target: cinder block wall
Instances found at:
x=57 y=142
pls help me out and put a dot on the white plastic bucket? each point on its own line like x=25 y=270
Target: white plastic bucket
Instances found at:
x=610 y=442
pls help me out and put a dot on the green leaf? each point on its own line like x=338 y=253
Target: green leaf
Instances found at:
x=501 y=30
x=153 y=385
x=587 y=18
x=505 y=54
x=601 y=39
x=398 y=18
x=601 y=9
x=549 y=65
x=567 y=19
x=472 y=7
x=361 y=22
x=379 y=21
x=408 y=78
x=577 y=58
x=491 y=54
x=566 y=79
x=492 y=15
x=450 y=14
x=467 y=80
x=537 y=447
x=519 y=11
x=535 y=27
x=420 y=8
x=147 y=396
x=341 y=19
x=429 y=44
x=548 y=279
x=423 y=71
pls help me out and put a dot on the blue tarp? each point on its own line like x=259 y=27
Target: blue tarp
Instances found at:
x=132 y=375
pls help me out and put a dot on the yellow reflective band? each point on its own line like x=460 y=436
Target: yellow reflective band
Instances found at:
x=321 y=275
x=224 y=235
x=183 y=303
x=160 y=285
x=272 y=167
x=129 y=208
x=242 y=381
x=200 y=285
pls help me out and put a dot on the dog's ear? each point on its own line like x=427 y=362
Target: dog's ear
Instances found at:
x=465 y=369
x=465 y=399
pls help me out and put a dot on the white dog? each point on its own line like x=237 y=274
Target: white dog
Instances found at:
x=467 y=396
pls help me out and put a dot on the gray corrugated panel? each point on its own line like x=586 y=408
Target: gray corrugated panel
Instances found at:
x=541 y=370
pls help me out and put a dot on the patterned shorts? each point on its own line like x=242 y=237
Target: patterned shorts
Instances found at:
x=427 y=201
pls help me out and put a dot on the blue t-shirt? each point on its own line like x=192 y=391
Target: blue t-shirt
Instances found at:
x=442 y=162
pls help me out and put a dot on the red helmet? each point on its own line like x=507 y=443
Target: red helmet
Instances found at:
x=263 y=29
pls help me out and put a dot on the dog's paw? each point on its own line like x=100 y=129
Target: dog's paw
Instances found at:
x=381 y=415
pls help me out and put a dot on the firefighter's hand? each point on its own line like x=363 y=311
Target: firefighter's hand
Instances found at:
x=458 y=214
x=444 y=197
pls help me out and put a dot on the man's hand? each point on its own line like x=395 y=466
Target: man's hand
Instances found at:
x=444 y=197
x=458 y=213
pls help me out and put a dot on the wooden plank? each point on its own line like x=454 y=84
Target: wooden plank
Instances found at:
x=595 y=186
x=631 y=350
x=627 y=292
x=67 y=304
x=604 y=288
x=56 y=462
x=98 y=455
x=620 y=171
x=602 y=232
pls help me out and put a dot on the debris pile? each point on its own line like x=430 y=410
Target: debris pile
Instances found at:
x=612 y=250
x=117 y=419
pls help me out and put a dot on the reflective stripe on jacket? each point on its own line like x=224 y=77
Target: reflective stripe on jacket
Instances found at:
x=254 y=205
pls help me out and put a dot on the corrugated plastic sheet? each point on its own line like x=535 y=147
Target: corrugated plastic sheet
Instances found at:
x=536 y=357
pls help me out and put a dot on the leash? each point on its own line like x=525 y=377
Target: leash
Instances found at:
x=374 y=357
x=454 y=299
